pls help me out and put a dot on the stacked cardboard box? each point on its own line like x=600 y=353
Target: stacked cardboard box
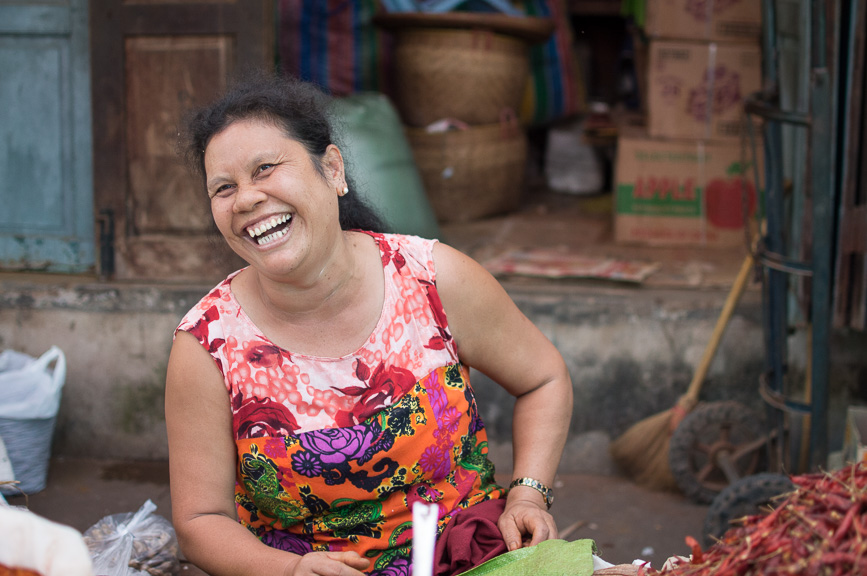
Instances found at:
x=681 y=180
x=736 y=21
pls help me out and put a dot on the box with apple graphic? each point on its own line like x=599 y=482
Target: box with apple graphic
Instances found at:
x=697 y=89
x=709 y=20
x=684 y=192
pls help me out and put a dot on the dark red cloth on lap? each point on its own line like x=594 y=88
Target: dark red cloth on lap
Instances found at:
x=470 y=538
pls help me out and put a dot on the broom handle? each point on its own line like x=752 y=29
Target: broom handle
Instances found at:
x=723 y=320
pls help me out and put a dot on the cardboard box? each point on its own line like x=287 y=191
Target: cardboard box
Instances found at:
x=682 y=192
x=697 y=90
x=708 y=20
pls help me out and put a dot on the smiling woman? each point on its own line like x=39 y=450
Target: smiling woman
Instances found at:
x=315 y=395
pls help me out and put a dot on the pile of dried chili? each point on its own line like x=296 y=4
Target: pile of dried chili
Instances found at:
x=819 y=528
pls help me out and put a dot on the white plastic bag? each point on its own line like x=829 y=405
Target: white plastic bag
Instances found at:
x=572 y=165
x=29 y=389
x=29 y=399
x=140 y=544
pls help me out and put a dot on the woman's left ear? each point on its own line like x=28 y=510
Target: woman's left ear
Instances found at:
x=332 y=160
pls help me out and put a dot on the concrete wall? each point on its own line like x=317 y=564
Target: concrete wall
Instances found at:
x=116 y=339
x=631 y=353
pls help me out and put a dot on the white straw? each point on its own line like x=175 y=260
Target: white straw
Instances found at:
x=424 y=534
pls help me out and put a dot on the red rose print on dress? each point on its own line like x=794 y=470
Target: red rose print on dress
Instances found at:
x=257 y=418
x=384 y=386
x=264 y=355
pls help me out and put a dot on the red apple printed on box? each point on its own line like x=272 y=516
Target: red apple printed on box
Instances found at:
x=724 y=197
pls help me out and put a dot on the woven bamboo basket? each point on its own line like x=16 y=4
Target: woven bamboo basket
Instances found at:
x=471 y=173
x=471 y=75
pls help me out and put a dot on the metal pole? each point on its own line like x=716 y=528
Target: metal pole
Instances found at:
x=774 y=288
x=822 y=249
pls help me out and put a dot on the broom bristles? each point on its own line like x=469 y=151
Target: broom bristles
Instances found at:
x=642 y=452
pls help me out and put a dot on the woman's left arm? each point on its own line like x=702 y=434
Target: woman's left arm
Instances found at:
x=496 y=338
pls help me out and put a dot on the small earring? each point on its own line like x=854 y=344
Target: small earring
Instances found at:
x=344 y=192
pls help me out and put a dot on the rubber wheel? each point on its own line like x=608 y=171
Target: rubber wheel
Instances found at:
x=696 y=446
x=746 y=497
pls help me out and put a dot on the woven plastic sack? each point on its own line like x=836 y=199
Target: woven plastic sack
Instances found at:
x=380 y=160
x=548 y=558
x=140 y=544
x=30 y=392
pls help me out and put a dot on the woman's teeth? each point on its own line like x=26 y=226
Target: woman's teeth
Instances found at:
x=257 y=231
x=270 y=237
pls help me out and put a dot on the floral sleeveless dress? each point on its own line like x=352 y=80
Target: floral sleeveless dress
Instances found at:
x=333 y=452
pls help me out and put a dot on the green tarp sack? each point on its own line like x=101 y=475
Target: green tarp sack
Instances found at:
x=548 y=558
x=380 y=162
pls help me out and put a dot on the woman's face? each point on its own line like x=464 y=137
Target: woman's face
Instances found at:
x=268 y=200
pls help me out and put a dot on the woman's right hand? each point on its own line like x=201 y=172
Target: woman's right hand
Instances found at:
x=327 y=564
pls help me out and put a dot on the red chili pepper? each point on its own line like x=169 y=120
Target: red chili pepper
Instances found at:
x=845 y=525
x=839 y=557
x=697 y=556
x=839 y=502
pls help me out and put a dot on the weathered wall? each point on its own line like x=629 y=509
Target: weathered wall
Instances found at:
x=116 y=339
x=631 y=353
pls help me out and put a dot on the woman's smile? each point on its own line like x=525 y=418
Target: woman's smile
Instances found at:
x=271 y=229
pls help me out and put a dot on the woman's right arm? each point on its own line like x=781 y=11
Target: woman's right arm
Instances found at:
x=202 y=464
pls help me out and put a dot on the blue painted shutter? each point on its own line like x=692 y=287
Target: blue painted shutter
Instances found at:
x=46 y=191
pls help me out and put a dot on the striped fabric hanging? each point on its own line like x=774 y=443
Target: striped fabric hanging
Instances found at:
x=334 y=44
x=555 y=90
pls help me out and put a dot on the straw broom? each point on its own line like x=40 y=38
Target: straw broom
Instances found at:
x=642 y=451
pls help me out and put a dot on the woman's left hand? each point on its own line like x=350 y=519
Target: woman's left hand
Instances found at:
x=525 y=522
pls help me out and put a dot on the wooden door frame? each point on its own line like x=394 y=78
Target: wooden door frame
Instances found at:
x=110 y=175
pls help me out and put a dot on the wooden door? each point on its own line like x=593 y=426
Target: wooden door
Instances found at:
x=152 y=61
x=46 y=192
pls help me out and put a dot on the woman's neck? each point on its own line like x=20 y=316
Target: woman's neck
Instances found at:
x=306 y=296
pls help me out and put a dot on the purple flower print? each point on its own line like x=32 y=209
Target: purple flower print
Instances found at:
x=400 y=567
x=434 y=461
x=286 y=541
x=307 y=464
x=335 y=446
x=451 y=419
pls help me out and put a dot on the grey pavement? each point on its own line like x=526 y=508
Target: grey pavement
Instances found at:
x=626 y=521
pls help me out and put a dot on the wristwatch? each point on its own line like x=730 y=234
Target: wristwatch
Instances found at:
x=546 y=491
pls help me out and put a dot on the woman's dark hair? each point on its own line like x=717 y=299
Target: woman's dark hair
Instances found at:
x=298 y=108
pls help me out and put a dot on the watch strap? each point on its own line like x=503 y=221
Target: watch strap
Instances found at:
x=543 y=489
